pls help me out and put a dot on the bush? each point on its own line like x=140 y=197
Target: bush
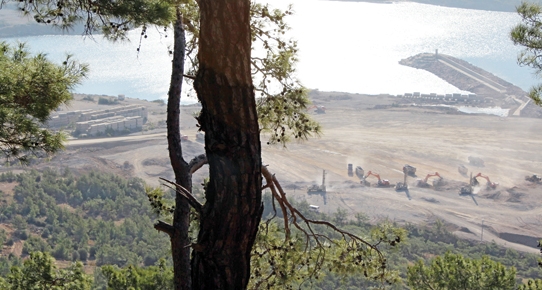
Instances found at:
x=75 y=256
x=21 y=234
x=83 y=254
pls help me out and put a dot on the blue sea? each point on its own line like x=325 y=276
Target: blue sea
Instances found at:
x=344 y=46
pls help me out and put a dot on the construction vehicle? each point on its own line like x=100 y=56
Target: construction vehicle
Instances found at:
x=467 y=190
x=318 y=189
x=476 y=161
x=463 y=170
x=318 y=109
x=184 y=137
x=534 y=178
x=350 y=171
x=489 y=184
x=381 y=182
x=423 y=182
x=360 y=173
x=402 y=186
x=409 y=170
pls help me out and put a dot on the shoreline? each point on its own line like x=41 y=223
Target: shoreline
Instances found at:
x=487 y=5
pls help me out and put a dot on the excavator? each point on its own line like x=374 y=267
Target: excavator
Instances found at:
x=360 y=173
x=489 y=184
x=319 y=109
x=381 y=182
x=423 y=182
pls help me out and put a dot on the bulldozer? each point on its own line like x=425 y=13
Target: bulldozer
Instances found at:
x=436 y=182
x=318 y=189
x=489 y=184
x=381 y=182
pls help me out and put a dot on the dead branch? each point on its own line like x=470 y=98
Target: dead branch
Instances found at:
x=185 y=194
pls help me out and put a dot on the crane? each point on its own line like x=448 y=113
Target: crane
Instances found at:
x=489 y=184
x=423 y=182
x=381 y=182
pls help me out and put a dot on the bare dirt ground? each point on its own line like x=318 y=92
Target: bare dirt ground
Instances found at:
x=381 y=140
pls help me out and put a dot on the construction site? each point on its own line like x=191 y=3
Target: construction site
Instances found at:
x=380 y=155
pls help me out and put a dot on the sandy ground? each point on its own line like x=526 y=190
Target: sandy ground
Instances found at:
x=380 y=140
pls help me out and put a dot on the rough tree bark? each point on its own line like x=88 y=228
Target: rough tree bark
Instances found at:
x=181 y=216
x=232 y=212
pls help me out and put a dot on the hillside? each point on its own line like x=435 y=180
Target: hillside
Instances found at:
x=378 y=133
x=381 y=133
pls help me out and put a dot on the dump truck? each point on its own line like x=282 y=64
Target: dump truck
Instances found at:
x=476 y=161
x=409 y=170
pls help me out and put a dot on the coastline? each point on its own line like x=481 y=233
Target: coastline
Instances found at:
x=490 y=5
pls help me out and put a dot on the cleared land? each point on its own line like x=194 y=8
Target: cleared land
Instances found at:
x=382 y=140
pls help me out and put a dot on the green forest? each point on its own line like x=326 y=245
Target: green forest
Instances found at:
x=102 y=225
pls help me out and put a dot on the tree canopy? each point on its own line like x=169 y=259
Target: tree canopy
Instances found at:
x=528 y=34
x=31 y=87
x=453 y=271
x=40 y=272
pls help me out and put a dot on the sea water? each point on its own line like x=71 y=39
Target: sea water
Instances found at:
x=344 y=46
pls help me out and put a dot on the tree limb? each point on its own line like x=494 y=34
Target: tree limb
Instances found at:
x=197 y=162
x=185 y=194
x=164 y=227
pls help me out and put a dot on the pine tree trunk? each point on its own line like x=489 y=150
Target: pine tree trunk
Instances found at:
x=181 y=217
x=232 y=212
